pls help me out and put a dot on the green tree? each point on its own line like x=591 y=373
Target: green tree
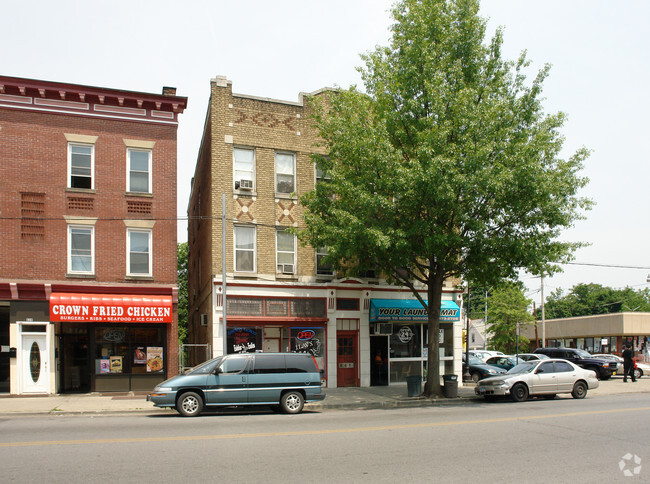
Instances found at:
x=446 y=166
x=181 y=267
x=508 y=306
x=588 y=299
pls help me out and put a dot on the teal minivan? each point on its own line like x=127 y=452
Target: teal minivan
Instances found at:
x=281 y=380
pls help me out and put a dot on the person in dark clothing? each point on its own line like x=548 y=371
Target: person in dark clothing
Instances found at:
x=628 y=363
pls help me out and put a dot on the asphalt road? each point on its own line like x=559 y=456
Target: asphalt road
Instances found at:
x=563 y=440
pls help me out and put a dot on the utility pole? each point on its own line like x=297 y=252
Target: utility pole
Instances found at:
x=543 y=316
x=223 y=270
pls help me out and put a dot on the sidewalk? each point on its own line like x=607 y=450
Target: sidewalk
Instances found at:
x=336 y=399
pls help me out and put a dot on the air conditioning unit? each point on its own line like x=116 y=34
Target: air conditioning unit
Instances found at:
x=286 y=268
x=384 y=328
x=204 y=319
x=245 y=184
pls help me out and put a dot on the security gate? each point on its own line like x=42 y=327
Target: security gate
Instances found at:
x=190 y=355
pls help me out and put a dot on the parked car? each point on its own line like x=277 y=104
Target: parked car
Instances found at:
x=640 y=368
x=280 y=380
x=485 y=354
x=478 y=369
x=544 y=378
x=604 y=368
x=532 y=356
x=505 y=362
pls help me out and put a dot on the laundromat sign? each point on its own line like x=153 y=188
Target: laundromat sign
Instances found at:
x=409 y=310
x=104 y=308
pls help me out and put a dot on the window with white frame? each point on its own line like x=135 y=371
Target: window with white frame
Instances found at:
x=244 y=248
x=244 y=166
x=285 y=172
x=322 y=268
x=81 y=253
x=81 y=166
x=138 y=170
x=138 y=252
x=285 y=252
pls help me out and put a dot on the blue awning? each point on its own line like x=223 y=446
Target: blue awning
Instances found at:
x=409 y=310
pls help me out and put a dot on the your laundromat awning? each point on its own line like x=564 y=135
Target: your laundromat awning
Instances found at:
x=106 y=308
x=409 y=310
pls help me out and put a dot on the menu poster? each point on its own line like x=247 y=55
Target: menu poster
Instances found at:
x=104 y=366
x=154 y=359
x=116 y=364
x=139 y=356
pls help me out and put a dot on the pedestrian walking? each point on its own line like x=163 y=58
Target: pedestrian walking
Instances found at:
x=628 y=363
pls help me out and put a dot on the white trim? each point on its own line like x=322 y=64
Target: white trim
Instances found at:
x=138 y=143
x=275 y=171
x=90 y=228
x=149 y=168
x=234 y=234
x=149 y=232
x=234 y=165
x=72 y=144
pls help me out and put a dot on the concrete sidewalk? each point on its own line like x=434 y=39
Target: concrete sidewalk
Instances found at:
x=336 y=398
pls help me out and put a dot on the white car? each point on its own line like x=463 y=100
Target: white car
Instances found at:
x=485 y=354
x=544 y=378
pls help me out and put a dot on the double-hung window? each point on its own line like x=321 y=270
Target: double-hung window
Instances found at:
x=286 y=252
x=81 y=166
x=244 y=248
x=285 y=172
x=244 y=162
x=138 y=170
x=81 y=253
x=138 y=252
x=322 y=268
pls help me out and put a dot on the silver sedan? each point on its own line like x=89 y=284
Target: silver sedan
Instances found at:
x=544 y=378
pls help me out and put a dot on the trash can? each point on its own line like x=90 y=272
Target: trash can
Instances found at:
x=414 y=385
x=450 y=390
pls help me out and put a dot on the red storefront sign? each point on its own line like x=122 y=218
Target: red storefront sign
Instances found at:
x=105 y=308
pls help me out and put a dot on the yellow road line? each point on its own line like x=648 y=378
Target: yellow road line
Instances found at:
x=316 y=432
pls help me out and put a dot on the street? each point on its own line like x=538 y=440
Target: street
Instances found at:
x=535 y=441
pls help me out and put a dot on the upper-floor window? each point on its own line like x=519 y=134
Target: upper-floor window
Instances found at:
x=322 y=268
x=244 y=166
x=81 y=166
x=244 y=248
x=286 y=252
x=285 y=172
x=81 y=253
x=138 y=170
x=321 y=175
x=138 y=252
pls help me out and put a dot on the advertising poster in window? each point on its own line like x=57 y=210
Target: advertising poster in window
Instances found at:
x=139 y=356
x=154 y=359
x=104 y=366
x=116 y=364
x=244 y=340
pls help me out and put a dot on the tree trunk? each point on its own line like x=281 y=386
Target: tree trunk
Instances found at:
x=432 y=387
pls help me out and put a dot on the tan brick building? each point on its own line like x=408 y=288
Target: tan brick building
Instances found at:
x=279 y=296
x=88 y=295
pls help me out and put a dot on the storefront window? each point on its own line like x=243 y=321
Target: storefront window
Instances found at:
x=405 y=341
x=244 y=340
x=123 y=349
x=309 y=340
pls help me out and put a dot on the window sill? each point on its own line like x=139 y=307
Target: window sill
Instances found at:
x=242 y=275
x=138 y=194
x=286 y=276
x=80 y=276
x=138 y=278
x=286 y=196
x=89 y=191
x=245 y=193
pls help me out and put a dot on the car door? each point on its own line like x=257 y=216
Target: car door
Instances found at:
x=566 y=376
x=544 y=380
x=229 y=383
x=266 y=378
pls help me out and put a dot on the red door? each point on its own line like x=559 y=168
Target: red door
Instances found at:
x=346 y=351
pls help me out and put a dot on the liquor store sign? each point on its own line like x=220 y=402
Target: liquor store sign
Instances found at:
x=104 y=308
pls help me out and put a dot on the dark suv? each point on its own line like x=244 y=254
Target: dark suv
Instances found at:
x=604 y=369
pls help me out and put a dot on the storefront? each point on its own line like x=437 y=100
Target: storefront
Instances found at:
x=111 y=342
x=399 y=339
x=278 y=324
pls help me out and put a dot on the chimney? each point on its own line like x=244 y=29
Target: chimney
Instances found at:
x=169 y=91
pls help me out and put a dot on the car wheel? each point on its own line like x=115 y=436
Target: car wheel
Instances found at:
x=579 y=390
x=189 y=404
x=519 y=392
x=292 y=402
x=638 y=373
x=476 y=376
x=549 y=397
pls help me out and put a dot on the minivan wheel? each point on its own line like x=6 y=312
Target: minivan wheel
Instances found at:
x=292 y=402
x=579 y=390
x=189 y=404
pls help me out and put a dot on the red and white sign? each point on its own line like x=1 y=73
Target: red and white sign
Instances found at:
x=104 y=308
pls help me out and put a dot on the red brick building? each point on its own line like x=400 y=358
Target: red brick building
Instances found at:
x=88 y=295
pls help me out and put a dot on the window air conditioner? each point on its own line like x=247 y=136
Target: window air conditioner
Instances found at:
x=204 y=319
x=286 y=268
x=245 y=184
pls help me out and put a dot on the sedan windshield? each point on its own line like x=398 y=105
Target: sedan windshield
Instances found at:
x=525 y=367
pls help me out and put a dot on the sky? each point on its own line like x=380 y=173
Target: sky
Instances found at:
x=598 y=51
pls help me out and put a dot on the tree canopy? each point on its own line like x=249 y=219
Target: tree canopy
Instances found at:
x=588 y=299
x=508 y=306
x=444 y=166
x=181 y=267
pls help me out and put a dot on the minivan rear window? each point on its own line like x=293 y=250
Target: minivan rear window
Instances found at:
x=300 y=363
x=269 y=364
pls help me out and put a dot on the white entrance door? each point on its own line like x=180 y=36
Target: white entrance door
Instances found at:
x=35 y=376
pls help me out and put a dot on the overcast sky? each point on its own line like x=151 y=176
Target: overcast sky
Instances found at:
x=599 y=51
